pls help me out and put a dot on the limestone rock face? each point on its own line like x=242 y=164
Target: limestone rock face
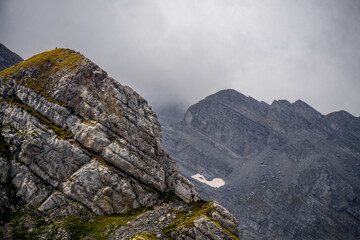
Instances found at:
x=165 y=218
x=210 y=226
x=289 y=171
x=76 y=142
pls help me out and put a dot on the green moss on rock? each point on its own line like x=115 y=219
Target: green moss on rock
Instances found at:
x=185 y=218
x=225 y=230
x=100 y=227
x=45 y=68
x=144 y=236
x=62 y=133
x=26 y=224
x=49 y=63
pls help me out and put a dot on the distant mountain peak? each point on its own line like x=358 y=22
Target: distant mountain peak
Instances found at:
x=290 y=172
x=229 y=95
x=7 y=57
x=306 y=111
x=281 y=104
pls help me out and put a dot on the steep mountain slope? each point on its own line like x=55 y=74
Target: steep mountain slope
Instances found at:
x=289 y=172
x=8 y=58
x=81 y=157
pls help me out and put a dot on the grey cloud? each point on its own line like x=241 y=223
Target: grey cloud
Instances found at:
x=182 y=51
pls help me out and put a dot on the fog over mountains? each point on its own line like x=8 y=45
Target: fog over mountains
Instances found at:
x=182 y=50
x=289 y=171
x=286 y=169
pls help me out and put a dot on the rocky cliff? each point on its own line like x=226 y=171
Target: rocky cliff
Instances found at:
x=8 y=58
x=81 y=157
x=289 y=171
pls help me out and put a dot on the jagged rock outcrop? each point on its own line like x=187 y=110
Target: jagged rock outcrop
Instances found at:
x=75 y=145
x=289 y=171
x=8 y=58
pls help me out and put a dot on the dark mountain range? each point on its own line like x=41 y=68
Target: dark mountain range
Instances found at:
x=8 y=58
x=289 y=171
x=81 y=158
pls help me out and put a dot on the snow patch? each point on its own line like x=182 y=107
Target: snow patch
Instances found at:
x=215 y=183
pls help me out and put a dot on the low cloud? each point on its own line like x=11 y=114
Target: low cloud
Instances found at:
x=182 y=51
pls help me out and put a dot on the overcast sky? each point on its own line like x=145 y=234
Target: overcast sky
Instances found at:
x=184 y=50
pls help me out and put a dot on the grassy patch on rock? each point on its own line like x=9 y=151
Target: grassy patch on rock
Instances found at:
x=39 y=72
x=26 y=224
x=62 y=133
x=185 y=218
x=100 y=227
x=144 y=236
x=19 y=230
x=225 y=230
x=47 y=63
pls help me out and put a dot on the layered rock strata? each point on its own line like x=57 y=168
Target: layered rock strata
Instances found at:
x=7 y=57
x=289 y=171
x=76 y=142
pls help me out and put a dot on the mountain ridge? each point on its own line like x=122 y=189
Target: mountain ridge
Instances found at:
x=266 y=154
x=81 y=150
x=8 y=58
